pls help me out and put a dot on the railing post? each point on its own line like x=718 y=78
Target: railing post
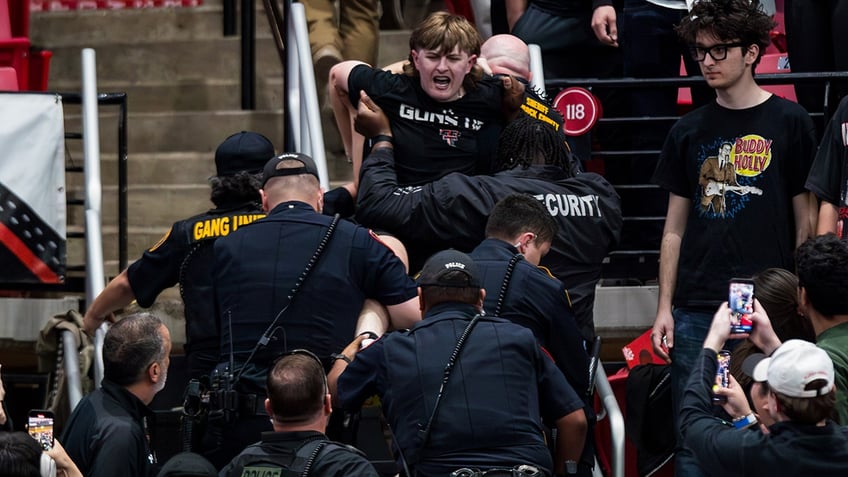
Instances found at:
x=95 y=278
x=248 y=55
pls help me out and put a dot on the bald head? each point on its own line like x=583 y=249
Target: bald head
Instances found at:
x=507 y=55
x=300 y=187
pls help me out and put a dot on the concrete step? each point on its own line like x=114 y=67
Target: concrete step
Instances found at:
x=102 y=27
x=139 y=239
x=154 y=206
x=185 y=95
x=174 y=168
x=178 y=60
x=179 y=131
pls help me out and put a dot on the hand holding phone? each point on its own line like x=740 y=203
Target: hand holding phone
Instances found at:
x=40 y=427
x=741 y=302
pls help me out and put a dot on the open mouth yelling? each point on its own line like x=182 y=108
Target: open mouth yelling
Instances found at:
x=441 y=82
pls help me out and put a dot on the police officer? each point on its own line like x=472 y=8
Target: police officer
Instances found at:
x=519 y=233
x=184 y=254
x=295 y=279
x=499 y=383
x=299 y=406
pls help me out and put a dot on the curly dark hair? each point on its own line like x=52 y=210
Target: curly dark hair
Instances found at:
x=527 y=141
x=822 y=264
x=729 y=20
x=236 y=189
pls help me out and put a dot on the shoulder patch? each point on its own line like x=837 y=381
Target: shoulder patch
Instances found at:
x=161 y=240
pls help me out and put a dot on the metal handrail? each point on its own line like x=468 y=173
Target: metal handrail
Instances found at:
x=616 y=421
x=70 y=356
x=302 y=115
x=95 y=273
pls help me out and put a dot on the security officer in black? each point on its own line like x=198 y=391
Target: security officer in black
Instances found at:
x=460 y=389
x=295 y=279
x=519 y=233
x=451 y=212
x=184 y=254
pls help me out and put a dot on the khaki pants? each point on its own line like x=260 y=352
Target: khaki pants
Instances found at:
x=354 y=32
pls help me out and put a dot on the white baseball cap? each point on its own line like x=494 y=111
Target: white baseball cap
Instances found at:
x=794 y=365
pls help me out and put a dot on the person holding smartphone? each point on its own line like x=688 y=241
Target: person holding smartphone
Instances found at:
x=801 y=397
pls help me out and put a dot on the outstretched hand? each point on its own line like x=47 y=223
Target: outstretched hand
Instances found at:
x=370 y=120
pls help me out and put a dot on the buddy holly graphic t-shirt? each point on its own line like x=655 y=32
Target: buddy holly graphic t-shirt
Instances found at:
x=740 y=169
x=433 y=139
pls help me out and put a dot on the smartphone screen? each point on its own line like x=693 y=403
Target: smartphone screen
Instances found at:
x=741 y=302
x=40 y=426
x=722 y=378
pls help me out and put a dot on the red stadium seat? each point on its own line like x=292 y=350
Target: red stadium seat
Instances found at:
x=8 y=79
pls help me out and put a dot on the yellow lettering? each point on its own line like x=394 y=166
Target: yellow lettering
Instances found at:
x=197 y=230
x=530 y=112
x=548 y=120
x=537 y=105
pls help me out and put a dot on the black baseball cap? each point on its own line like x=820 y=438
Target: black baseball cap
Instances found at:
x=271 y=170
x=244 y=151
x=438 y=270
x=188 y=464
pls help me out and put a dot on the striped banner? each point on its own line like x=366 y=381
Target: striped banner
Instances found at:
x=32 y=189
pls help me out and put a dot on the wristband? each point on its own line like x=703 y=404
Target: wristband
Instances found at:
x=380 y=138
x=337 y=356
x=745 y=421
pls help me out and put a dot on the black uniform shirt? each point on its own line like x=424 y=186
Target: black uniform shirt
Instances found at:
x=538 y=301
x=490 y=413
x=257 y=267
x=184 y=256
x=434 y=138
x=106 y=436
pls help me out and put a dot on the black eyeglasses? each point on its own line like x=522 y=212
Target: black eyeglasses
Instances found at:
x=716 y=52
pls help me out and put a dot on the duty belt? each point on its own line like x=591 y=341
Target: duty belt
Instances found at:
x=517 y=471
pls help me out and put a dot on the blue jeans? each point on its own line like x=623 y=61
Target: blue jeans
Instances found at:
x=690 y=330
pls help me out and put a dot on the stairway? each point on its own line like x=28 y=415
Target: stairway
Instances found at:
x=181 y=76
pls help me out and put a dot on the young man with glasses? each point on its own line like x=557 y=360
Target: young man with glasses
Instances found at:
x=744 y=220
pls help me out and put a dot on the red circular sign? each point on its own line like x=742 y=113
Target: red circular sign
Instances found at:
x=579 y=108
